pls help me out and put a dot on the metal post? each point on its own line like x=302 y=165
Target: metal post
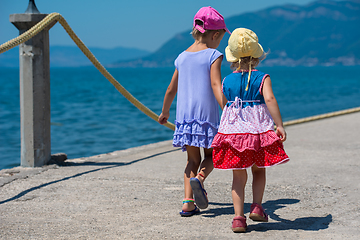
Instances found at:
x=32 y=7
x=34 y=90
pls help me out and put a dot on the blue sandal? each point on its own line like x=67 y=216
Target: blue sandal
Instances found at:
x=199 y=193
x=189 y=213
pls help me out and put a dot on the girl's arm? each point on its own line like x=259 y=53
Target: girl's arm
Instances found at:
x=273 y=107
x=215 y=76
x=224 y=100
x=169 y=98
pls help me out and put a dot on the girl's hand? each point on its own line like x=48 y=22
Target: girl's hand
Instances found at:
x=280 y=131
x=163 y=118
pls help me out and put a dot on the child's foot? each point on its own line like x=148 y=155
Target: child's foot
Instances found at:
x=188 y=210
x=200 y=194
x=239 y=224
x=257 y=213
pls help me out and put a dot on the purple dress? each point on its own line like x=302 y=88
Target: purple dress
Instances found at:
x=197 y=111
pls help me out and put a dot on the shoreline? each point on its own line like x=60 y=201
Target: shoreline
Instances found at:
x=134 y=149
x=8 y=175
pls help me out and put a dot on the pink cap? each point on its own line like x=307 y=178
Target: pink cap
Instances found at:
x=212 y=20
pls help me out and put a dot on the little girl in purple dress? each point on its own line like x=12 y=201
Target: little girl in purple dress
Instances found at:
x=197 y=81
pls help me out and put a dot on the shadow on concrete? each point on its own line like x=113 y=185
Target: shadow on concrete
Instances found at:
x=222 y=209
x=108 y=164
x=304 y=223
x=117 y=164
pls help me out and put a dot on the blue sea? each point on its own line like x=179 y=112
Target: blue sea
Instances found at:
x=89 y=116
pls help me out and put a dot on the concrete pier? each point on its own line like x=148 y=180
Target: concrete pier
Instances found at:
x=137 y=193
x=34 y=92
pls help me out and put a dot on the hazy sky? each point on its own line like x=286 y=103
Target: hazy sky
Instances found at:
x=141 y=24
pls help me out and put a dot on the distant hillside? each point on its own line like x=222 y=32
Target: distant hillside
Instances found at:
x=321 y=33
x=63 y=56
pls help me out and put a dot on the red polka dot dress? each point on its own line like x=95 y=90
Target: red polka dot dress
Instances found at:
x=246 y=133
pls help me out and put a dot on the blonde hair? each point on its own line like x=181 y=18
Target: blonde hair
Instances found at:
x=247 y=61
x=197 y=34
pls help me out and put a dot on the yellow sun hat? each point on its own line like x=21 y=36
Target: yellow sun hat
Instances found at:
x=243 y=43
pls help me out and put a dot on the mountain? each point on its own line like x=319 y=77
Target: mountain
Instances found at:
x=164 y=56
x=64 y=56
x=320 y=33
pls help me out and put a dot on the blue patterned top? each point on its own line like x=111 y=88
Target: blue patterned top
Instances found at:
x=234 y=85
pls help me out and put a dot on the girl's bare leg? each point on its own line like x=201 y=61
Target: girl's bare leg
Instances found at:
x=258 y=185
x=238 y=191
x=206 y=165
x=192 y=166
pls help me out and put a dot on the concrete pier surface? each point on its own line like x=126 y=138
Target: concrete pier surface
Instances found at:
x=137 y=193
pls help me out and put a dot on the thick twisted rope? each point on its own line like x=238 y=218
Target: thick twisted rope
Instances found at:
x=50 y=20
x=322 y=116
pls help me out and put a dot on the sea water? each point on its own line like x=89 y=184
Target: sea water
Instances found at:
x=89 y=116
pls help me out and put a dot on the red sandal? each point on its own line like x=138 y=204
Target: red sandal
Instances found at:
x=239 y=224
x=257 y=213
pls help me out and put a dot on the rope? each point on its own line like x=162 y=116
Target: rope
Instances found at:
x=49 y=21
x=322 y=116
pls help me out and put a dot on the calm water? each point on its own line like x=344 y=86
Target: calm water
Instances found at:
x=89 y=116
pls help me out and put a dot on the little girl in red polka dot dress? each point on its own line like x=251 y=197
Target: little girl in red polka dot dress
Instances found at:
x=246 y=136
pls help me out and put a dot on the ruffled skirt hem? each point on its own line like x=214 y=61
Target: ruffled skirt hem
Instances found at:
x=230 y=158
x=245 y=141
x=194 y=133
